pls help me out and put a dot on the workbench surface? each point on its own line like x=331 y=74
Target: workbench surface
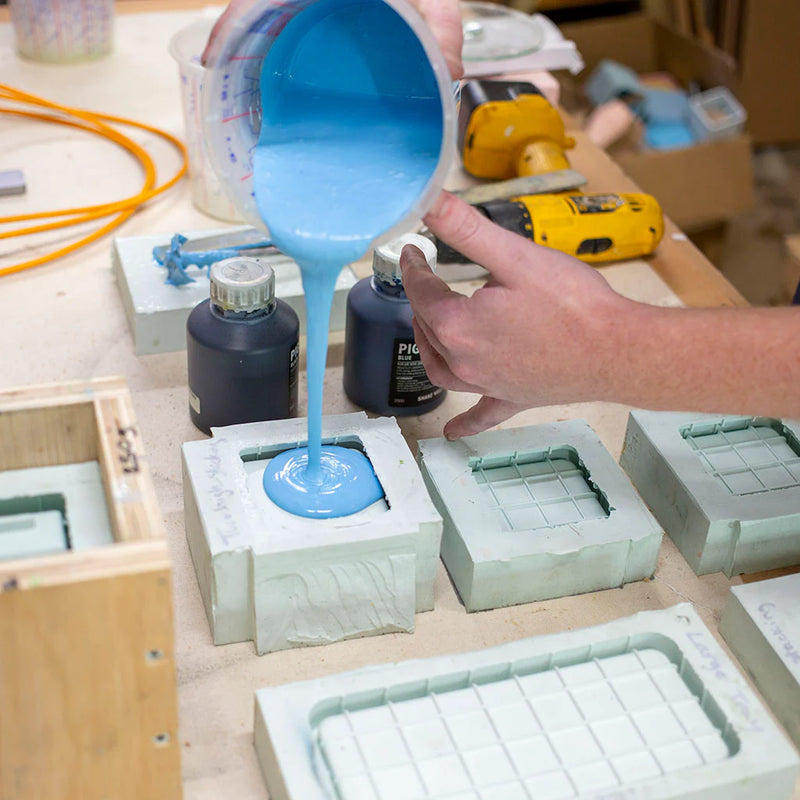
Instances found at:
x=65 y=321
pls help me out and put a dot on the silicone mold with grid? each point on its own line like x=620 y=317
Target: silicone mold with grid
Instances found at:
x=539 y=490
x=564 y=732
x=747 y=455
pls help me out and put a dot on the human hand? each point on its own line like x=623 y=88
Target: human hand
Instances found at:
x=443 y=18
x=540 y=331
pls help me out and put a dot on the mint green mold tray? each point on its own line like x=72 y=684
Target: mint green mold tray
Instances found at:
x=726 y=489
x=534 y=513
x=646 y=707
x=762 y=626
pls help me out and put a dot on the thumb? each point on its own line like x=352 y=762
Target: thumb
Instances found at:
x=486 y=413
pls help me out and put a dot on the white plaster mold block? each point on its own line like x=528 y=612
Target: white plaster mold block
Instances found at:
x=725 y=488
x=52 y=509
x=286 y=581
x=157 y=311
x=644 y=708
x=535 y=513
x=762 y=626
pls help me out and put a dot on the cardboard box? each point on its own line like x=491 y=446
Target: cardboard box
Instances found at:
x=697 y=186
x=769 y=63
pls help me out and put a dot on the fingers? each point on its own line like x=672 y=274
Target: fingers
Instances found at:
x=436 y=368
x=432 y=300
x=486 y=413
x=469 y=232
x=221 y=23
x=444 y=20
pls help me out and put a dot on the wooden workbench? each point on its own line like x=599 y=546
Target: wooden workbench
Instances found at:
x=65 y=321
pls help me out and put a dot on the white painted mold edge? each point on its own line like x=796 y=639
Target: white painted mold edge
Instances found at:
x=764 y=765
x=493 y=568
x=285 y=581
x=761 y=625
x=157 y=311
x=714 y=529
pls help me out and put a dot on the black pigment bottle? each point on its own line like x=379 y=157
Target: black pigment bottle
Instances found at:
x=242 y=346
x=383 y=371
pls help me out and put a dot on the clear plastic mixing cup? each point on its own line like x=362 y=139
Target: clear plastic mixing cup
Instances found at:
x=232 y=97
x=208 y=194
x=63 y=31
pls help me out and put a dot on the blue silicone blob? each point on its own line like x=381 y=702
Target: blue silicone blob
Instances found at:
x=347 y=483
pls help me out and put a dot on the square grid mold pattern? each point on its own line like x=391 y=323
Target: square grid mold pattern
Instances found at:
x=563 y=733
x=539 y=490
x=747 y=456
x=725 y=488
x=647 y=707
x=536 y=512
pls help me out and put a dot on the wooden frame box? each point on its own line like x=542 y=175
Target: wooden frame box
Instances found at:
x=88 y=703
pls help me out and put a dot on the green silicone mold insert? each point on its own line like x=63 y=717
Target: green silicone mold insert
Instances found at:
x=747 y=455
x=543 y=489
x=563 y=725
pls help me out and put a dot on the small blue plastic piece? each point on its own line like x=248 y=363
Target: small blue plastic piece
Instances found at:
x=665 y=105
x=668 y=135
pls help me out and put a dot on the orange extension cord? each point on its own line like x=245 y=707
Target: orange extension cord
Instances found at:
x=97 y=124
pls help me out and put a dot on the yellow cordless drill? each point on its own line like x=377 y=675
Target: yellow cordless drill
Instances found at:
x=508 y=129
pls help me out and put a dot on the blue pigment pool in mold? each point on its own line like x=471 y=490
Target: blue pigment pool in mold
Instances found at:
x=351 y=135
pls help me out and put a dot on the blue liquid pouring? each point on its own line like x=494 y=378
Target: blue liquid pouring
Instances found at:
x=351 y=134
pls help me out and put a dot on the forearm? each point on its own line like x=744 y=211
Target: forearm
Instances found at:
x=743 y=360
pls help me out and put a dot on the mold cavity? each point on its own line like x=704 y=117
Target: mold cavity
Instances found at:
x=33 y=525
x=747 y=455
x=255 y=460
x=539 y=489
x=584 y=721
x=268 y=451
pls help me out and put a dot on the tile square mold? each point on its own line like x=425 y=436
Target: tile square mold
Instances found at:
x=534 y=513
x=157 y=311
x=720 y=743
x=286 y=581
x=762 y=626
x=726 y=489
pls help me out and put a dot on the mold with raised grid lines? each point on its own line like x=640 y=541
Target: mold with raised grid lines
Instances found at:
x=644 y=707
x=761 y=625
x=287 y=581
x=725 y=488
x=534 y=513
x=157 y=311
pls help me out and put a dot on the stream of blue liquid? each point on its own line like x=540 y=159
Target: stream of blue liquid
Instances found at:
x=351 y=133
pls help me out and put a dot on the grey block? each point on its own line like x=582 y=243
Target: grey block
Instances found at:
x=74 y=492
x=534 y=513
x=157 y=311
x=287 y=581
x=725 y=488
x=647 y=707
x=34 y=534
x=762 y=626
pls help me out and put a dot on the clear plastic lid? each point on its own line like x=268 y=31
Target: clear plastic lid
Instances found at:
x=493 y=32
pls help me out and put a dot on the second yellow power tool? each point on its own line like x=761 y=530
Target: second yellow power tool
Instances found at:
x=508 y=129
x=591 y=227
